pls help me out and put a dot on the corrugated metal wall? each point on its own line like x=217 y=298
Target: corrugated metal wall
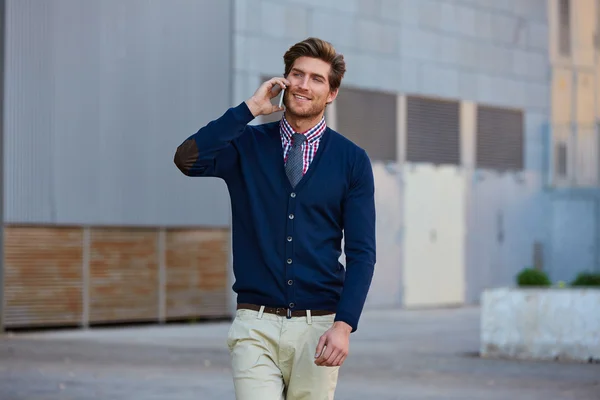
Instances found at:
x=98 y=96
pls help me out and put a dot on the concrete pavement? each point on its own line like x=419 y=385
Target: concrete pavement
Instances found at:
x=395 y=354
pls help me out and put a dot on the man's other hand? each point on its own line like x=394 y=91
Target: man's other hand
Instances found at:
x=333 y=345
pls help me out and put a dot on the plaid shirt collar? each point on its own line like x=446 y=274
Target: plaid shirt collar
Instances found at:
x=312 y=135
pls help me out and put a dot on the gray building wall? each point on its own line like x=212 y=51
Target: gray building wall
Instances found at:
x=98 y=96
x=490 y=53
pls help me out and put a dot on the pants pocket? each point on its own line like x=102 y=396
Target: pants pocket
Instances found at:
x=230 y=334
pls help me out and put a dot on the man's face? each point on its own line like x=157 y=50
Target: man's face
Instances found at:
x=309 y=91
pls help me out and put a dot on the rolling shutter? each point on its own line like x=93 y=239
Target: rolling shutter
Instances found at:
x=499 y=138
x=368 y=118
x=432 y=131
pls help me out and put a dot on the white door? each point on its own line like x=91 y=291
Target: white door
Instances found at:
x=434 y=246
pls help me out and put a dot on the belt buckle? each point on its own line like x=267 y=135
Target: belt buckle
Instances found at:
x=280 y=311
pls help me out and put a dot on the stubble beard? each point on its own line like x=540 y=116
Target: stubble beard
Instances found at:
x=313 y=111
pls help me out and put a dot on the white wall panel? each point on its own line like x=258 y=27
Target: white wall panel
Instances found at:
x=434 y=247
x=386 y=287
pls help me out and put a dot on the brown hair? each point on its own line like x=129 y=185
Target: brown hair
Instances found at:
x=317 y=48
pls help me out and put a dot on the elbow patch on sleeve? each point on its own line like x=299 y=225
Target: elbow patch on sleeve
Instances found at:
x=186 y=155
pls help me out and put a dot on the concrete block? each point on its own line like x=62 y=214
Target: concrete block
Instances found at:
x=359 y=67
x=284 y=21
x=541 y=324
x=537 y=36
x=504 y=28
x=485 y=57
x=306 y=3
x=468 y=54
x=466 y=20
x=505 y=6
x=391 y=10
x=430 y=14
x=448 y=22
x=449 y=49
x=486 y=91
x=440 y=81
x=247 y=16
x=530 y=65
x=267 y=55
x=369 y=8
x=339 y=29
x=467 y=85
x=410 y=12
x=376 y=74
x=514 y=93
x=419 y=44
x=389 y=73
x=500 y=60
x=494 y=59
x=536 y=10
x=536 y=95
x=344 y=6
x=483 y=25
x=376 y=37
x=410 y=76
x=503 y=91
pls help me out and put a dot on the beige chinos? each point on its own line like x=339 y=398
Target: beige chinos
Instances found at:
x=272 y=357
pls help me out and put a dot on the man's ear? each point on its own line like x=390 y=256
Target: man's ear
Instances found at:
x=332 y=95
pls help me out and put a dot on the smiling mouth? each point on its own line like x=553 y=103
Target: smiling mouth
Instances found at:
x=301 y=98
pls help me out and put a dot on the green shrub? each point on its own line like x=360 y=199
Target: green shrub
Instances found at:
x=587 y=279
x=533 y=277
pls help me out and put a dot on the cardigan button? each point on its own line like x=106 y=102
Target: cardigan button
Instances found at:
x=290 y=282
x=289 y=238
x=292 y=305
x=291 y=216
x=289 y=260
x=293 y=195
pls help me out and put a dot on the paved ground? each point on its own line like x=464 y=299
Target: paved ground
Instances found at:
x=405 y=355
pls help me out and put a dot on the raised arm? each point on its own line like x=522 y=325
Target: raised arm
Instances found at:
x=209 y=152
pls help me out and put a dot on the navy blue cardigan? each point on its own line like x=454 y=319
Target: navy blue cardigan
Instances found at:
x=287 y=242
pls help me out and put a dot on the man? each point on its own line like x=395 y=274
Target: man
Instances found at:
x=296 y=188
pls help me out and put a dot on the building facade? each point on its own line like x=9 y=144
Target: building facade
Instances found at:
x=463 y=107
x=100 y=226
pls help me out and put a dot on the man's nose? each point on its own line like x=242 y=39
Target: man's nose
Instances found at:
x=304 y=83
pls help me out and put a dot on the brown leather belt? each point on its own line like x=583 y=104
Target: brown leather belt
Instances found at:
x=284 y=312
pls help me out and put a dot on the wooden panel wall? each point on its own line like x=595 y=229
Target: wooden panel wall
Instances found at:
x=71 y=276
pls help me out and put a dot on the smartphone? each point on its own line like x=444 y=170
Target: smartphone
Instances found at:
x=281 y=97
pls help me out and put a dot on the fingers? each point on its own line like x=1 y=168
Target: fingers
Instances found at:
x=330 y=362
x=320 y=345
x=332 y=358
x=276 y=85
x=339 y=360
x=322 y=361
